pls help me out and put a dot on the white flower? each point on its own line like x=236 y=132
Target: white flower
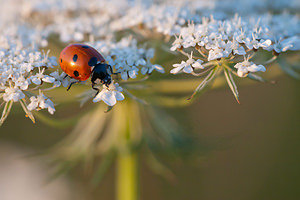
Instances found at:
x=240 y=36
x=128 y=73
x=220 y=50
x=254 y=43
x=147 y=69
x=236 y=48
x=39 y=77
x=187 y=66
x=41 y=102
x=22 y=83
x=245 y=67
x=60 y=79
x=282 y=45
x=177 y=44
x=13 y=93
x=110 y=95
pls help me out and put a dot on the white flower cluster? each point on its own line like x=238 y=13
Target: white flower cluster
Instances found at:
x=187 y=66
x=22 y=70
x=230 y=44
x=127 y=58
x=217 y=39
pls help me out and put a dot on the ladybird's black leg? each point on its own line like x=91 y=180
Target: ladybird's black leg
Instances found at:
x=111 y=70
x=66 y=76
x=70 y=85
x=113 y=73
x=95 y=88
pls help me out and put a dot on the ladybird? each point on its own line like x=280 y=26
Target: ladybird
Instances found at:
x=80 y=61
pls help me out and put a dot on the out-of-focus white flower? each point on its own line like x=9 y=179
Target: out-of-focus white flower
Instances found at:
x=245 y=67
x=187 y=66
x=41 y=102
x=110 y=95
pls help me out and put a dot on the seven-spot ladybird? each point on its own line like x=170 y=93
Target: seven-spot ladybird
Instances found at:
x=80 y=61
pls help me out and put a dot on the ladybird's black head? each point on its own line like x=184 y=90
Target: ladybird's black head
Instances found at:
x=100 y=74
x=107 y=80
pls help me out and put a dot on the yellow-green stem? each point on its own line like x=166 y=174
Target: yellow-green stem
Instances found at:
x=127 y=176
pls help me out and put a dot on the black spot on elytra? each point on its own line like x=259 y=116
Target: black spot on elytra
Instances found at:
x=75 y=57
x=76 y=73
x=61 y=60
x=92 y=62
x=85 y=46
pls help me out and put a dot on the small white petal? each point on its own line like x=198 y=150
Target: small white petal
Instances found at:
x=159 y=68
x=32 y=105
x=188 y=69
x=99 y=96
x=48 y=79
x=198 y=65
x=176 y=70
x=124 y=75
x=132 y=74
x=240 y=51
x=109 y=98
x=36 y=81
x=119 y=96
x=265 y=44
x=144 y=70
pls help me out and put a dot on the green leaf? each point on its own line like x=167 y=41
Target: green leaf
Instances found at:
x=103 y=167
x=28 y=113
x=57 y=123
x=207 y=79
x=6 y=111
x=288 y=69
x=159 y=168
x=256 y=78
x=142 y=101
x=85 y=96
x=231 y=84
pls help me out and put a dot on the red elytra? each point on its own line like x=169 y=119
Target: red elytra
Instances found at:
x=77 y=60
